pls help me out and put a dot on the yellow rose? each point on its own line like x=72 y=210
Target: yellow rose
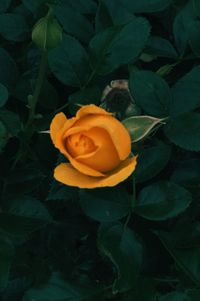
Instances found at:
x=97 y=146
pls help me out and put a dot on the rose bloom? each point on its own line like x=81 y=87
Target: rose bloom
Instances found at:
x=98 y=148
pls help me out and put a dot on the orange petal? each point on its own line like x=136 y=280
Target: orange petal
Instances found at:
x=118 y=133
x=105 y=158
x=60 y=119
x=66 y=174
x=91 y=109
x=80 y=166
x=86 y=170
x=60 y=134
x=59 y=143
x=56 y=124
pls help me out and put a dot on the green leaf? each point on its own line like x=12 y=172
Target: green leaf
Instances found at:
x=105 y=204
x=33 y=5
x=83 y=6
x=69 y=62
x=162 y=200
x=186 y=93
x=73 y=22
x=150 y=91
x=57 y=289
x=151 y=161
x=110 y=14
x=4 y=5
x=140 y=127
x=186 y=233
x=184 y=131
x=11 y=121
x=13 y=27
x=193 y=294
x=62 y=192
x=26 y=173
x=24 y=215
x=103 y=18
x=16 y=287
x=123 y=248
x=180 y=33
x=160 y=47
x=175 y=296
x=118 y=45
x=187 y=172
x=146 y=6
x=3 y=95
x=180 y=25
x=8 y=70
x=89 y=95
x=186 y=258
x=6 y=256
x=196 y=5
x=193 y=35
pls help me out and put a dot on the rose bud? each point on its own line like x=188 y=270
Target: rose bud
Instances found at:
x=47 y=33
x=98 y=148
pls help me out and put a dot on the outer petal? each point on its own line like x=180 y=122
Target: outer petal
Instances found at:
x=91 y=109
x=59 y=120
x=60 y=134
x=56 y=124
x=117 y=131
x=66 y=174
x=86 y=170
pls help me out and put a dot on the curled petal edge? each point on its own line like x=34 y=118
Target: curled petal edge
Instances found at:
x=68 y=175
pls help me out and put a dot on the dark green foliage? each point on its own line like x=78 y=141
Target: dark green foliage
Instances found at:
x=144 y=6
x=9 y=71
x=139 y=240
x=13 y=27
x=118 y=45
x=183 y=100
x=4 y=5
x=151 y=92
x=69 y=62
x=152 y=160
x=184 y=131
x=73 y=21
x=124 y=249
x=115 y=203
x=162 y=200
x=6 y=256
x=3 y=95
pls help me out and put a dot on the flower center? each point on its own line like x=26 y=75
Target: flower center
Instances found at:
x=79 y=144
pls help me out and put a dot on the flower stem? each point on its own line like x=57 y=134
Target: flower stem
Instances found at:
x=33 y=99
x=32 y=102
